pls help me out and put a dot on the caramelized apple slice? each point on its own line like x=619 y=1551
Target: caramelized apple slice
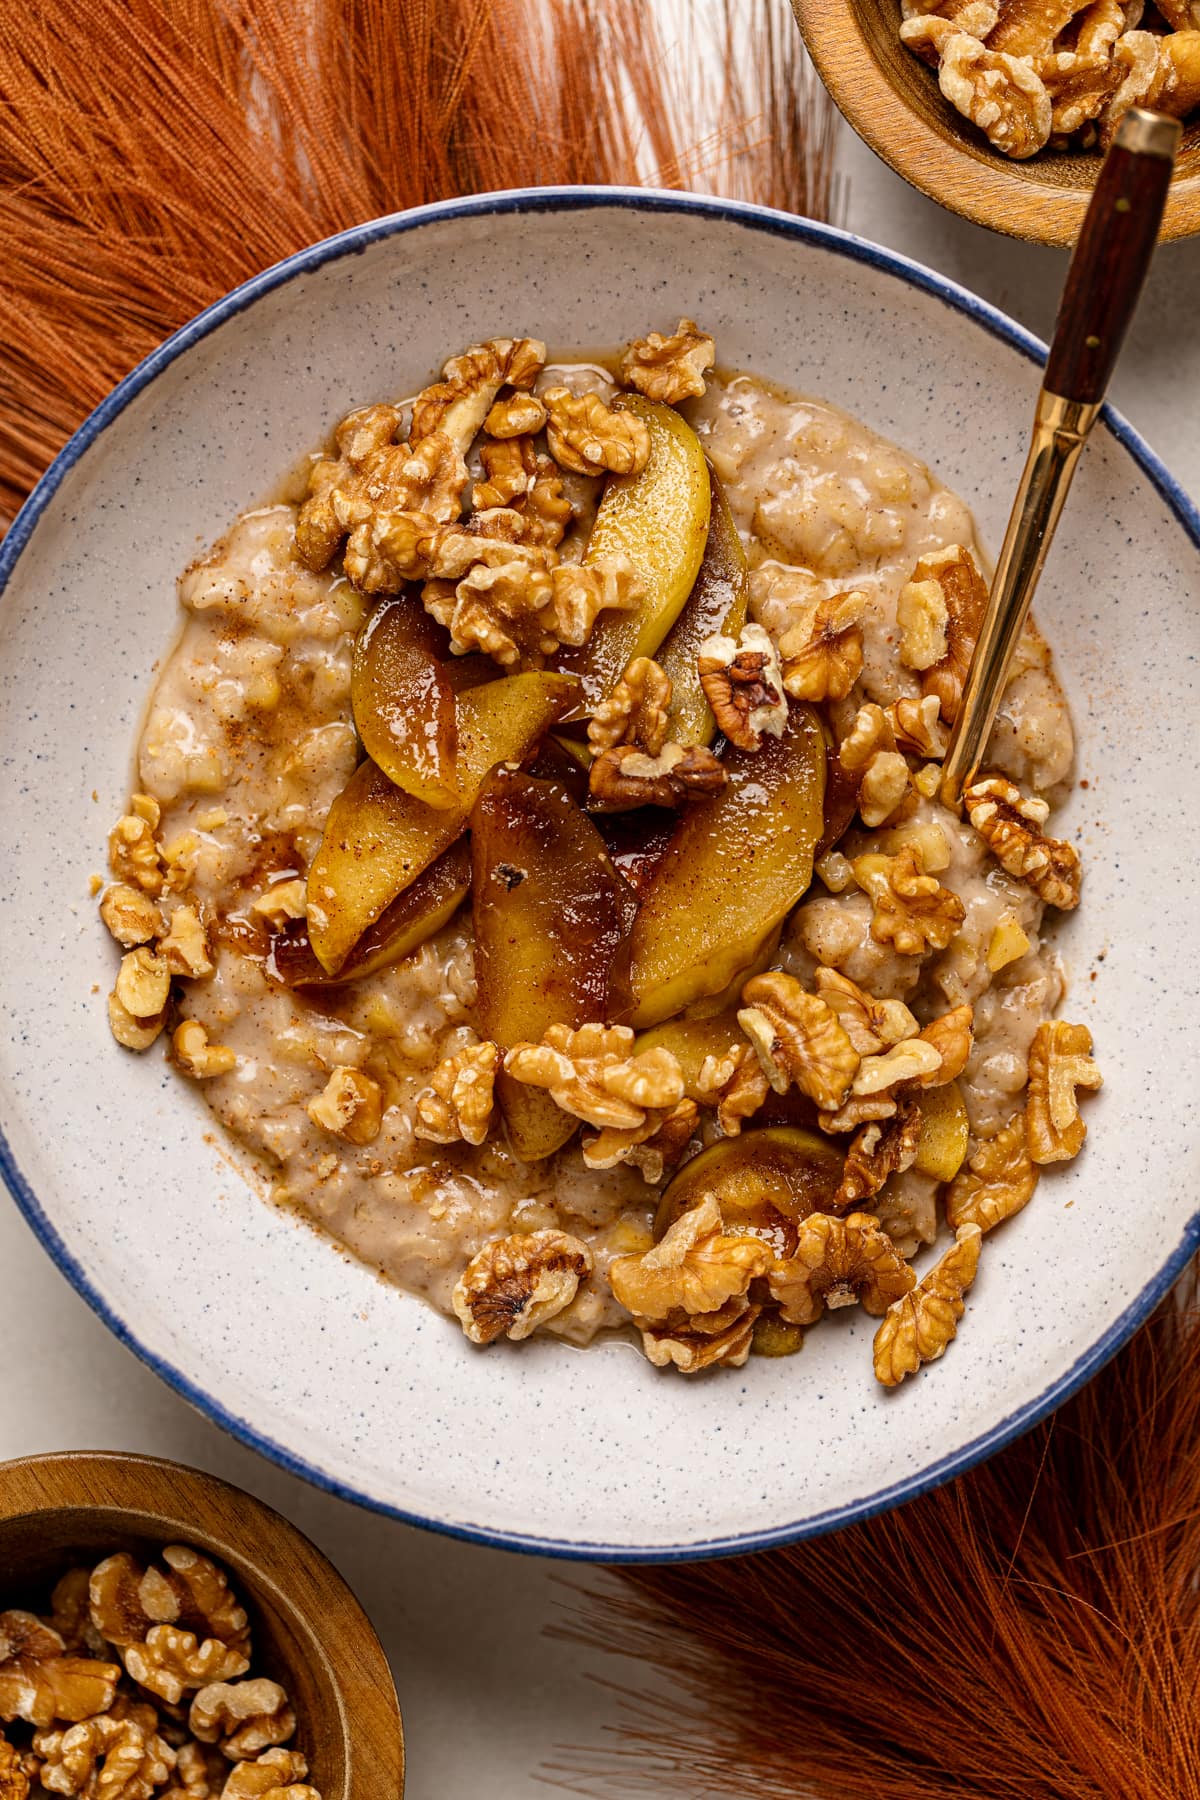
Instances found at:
x=765 y=1182
x=403 y=700
x=734 y=869
x=434 y=897
x=378 y=839
x=717 y=602
x=659 y=520
x=945 y=1131
x=552 y=916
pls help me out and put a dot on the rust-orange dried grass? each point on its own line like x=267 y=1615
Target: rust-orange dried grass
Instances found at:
x=1030 y=1632
x=154 y=153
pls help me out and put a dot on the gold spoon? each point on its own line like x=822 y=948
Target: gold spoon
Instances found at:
x=1105 y=279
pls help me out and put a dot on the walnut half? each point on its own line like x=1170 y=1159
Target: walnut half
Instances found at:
x=1060 y=1061
x=1010 y=824
x=743 y=683
x=512 y=1286
x=917 y=1328
x=837 y=1262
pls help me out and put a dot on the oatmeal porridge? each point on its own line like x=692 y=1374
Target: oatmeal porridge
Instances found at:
x=538 y=861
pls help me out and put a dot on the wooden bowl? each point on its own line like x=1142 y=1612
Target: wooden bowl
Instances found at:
x=893 y=101
x=310 y=1633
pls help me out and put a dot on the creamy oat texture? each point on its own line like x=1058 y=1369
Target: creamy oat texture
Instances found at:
x=249 y=738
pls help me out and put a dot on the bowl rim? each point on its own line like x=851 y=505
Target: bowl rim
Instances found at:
x=994 y=193
x=769 y=222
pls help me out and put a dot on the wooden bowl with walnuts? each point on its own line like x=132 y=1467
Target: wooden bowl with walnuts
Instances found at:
x=930 y=86
x=165 y=1636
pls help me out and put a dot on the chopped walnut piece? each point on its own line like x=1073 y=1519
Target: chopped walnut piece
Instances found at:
x=1079 y=87
x=1028 y=28
x=799 y=1039
x=1060 y=1061
x=515 y=1284
x=912 y=911
x=70 y=1613
x=636 y=710
x=835 y=1263
x=653 y=1147
x=997 y=1182
x=670 y=368
x=276 y=1772
x=130 y=915
x=925 y=28
x=1011 y=826
x=349 y=1106
x=502 y=607
x=39 y=1682
x=196 y=1056
x=952 y=1036
x=742 y=681
x=359 y=438
x=625 y=776
x=1175 y=89
x=998 y=92
x=426 y=478
x=869 y=736
x=194 y=1776
x=243 y=1716
x=859 y=1109
x=965 y=594
x=913 y=1060
x=104 y=1758
x=185 y=947
x=884 y=788
x=923 y=620
x=170 y=1661
x=736 y=1085
x=695 y=1269
x=283 y=901
x=870 y=1024
x=917 y=727
x=823 y=656
x=510 y=470
x=514 y=416
x=876 y=1151
x=582 y=591
x=1136 y=57
x=692 y=1344
x=592 y=1074
x=143 y=983
x=128 y=1029
x=457 y=1104
x=190 y=1590
x=14 y=1783
x=133 y=854
x=115 y=1601
x=588 y=437
x=372 y=478
x=459 y=404
x=918 y=1326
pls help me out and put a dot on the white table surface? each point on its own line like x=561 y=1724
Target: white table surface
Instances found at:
x=487 y=1698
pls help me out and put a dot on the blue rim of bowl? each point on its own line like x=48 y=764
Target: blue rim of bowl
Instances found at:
x=570 y=199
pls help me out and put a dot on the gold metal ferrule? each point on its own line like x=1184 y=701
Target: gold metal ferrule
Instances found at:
x=1060 y=431
x=1149 y=133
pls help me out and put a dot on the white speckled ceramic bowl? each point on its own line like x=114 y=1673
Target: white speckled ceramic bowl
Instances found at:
x=301 y=1351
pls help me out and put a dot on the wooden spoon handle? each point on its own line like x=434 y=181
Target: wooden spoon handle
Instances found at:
x=1112 y=256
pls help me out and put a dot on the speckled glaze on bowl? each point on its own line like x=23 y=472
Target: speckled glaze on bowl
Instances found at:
x=299 y=1350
